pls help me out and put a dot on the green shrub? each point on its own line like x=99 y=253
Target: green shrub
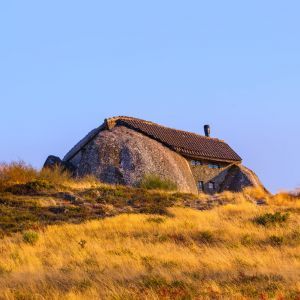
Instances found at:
x=271 y=219
x=30 y=237
x=155 y=182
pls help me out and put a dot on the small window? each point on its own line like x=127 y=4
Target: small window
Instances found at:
x=213 y=166
x=196 y=163
x=200 y=185
x=211 y=185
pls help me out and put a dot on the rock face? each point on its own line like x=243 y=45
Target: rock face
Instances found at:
x=54 y=161
x=124 y=156
x=240 y=177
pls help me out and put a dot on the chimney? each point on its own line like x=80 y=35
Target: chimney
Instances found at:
x=207 y=130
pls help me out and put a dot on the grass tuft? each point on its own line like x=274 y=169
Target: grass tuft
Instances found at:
x=30 y=237
x=155 y=182
x=269 y=219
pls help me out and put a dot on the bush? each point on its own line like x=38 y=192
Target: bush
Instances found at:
x=272 y=219
x=30 y=237
x=275 y=240
x=155 y=182
x=24 y=176
x=15 y=173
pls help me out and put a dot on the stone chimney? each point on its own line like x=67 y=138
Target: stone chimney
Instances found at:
x=207 y=130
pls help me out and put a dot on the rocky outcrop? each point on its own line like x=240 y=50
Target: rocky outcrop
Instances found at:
x=124 y=156
x=240 y=177
x=54 y=161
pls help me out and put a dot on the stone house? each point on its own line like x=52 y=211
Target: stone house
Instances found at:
x=124 y=149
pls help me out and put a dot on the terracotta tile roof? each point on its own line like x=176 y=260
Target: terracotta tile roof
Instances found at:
x=184 y=142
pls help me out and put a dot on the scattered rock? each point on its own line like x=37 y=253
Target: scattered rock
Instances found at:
x=54 y=161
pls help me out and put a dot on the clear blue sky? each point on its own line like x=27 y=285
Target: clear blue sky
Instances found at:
x=66 y=65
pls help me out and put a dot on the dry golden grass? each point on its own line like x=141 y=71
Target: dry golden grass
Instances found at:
x=21 y=173
x=233 y=251
x=219 y=254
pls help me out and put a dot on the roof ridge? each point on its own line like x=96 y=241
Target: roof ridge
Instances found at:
x=114 y=119
x=192 y=143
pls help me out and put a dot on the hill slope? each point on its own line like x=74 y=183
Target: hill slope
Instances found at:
x=57 y=242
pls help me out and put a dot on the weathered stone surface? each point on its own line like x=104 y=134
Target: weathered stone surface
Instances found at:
x=206 y=174
x=124 y=156
x=239 y=177
x=54 y=161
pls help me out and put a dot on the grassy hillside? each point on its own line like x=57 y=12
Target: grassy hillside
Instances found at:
x=68 y=239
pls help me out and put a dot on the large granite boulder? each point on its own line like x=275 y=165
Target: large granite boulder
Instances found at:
x=124 y=156
x=240 y=177
x=120 y=155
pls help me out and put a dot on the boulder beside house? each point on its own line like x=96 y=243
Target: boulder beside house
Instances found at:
x=123 y=150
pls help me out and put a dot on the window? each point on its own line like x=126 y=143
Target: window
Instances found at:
x=211 y=185
x=200 y=185
x=213 y=166
x=196 y=163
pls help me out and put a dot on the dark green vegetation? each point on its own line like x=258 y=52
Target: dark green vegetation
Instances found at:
x=154 y=182
x=269 y=219
x=30 y=237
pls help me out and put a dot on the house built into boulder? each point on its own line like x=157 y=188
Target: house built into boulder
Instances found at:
x=123 y=150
